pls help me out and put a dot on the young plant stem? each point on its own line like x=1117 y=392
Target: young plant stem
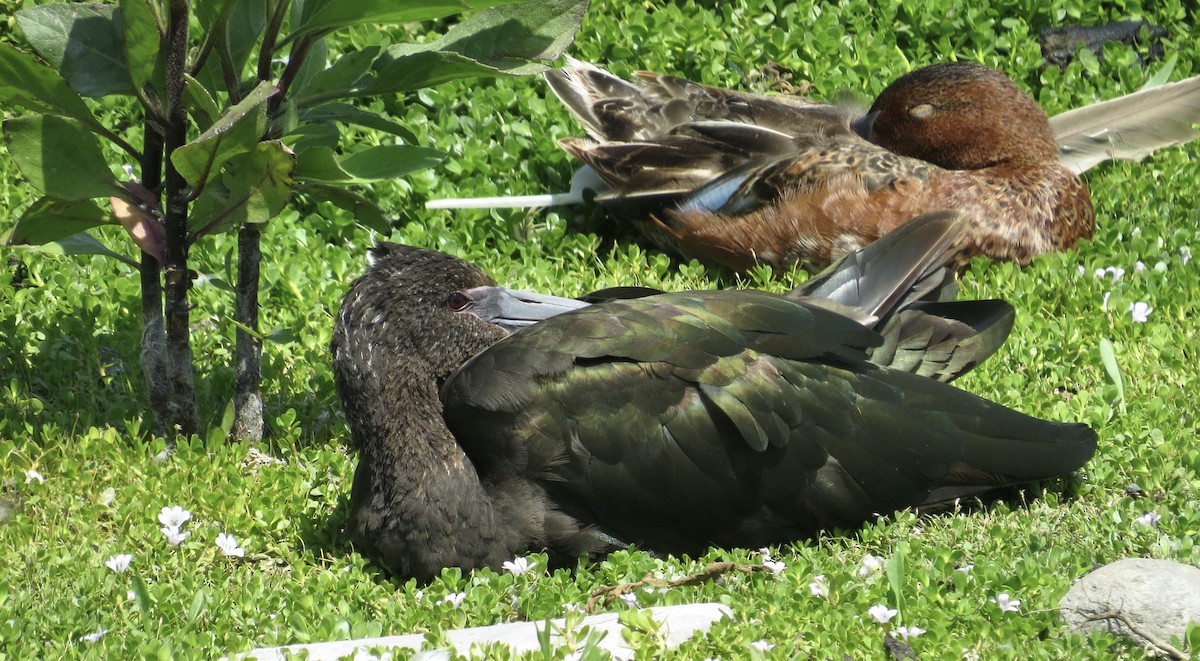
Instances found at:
x=181 y=407
x=247 y=396
x=154 y=333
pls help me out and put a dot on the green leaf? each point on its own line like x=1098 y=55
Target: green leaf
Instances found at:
x=140 y=38
x=344 y=74
x=26 y=82
x=252 y=188
x=348 y=114
x=327 y=15
x=236 y=133
x=500 y=41
x=1163 y=74
x=59 y=156
x=390 y=161
x=48 y=220
x=372 y=164
x=895 y=568
x=1108 y=356
x=82 y=42
x=238 y=24
x=77 y=244
x=142 y=595
x=365 y=212
x=200 y=102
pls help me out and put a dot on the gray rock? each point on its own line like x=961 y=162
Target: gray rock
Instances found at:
x=1157 y=598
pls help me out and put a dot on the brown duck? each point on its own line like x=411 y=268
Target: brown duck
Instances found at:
x=736 y=178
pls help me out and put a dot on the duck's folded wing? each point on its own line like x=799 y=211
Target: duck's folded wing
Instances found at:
x=746 y=419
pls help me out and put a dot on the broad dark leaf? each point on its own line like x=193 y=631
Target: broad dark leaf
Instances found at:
x=59 y=156
x=200 y=102
x=366 y=212
x=327 y=15
x=252 y=188
x=140 y=38
x=78 y=244
x=26 y=82
x=320 y=164
x=348 y=114
x=81 y=41
x=48 y=220
x=236 y=133
x=502 y=41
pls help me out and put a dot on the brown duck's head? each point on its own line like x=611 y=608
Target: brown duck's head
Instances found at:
x=960 y=116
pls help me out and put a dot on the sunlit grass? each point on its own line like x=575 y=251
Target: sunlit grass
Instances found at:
x=73 y=400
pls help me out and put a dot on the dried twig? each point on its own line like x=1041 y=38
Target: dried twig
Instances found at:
x=1155 y=643
x=714 y=570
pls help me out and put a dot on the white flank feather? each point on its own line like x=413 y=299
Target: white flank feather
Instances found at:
x=583 y=180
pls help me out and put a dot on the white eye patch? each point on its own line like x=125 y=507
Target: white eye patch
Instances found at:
x=921 y=111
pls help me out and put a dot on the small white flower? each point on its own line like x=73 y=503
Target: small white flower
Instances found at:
x=1115 y=272
x=1149 y=519
x=93 y=637
x=572 y=608
x=130 y=595
x=419 y=595
x=518 y=566
x=817 y=586
x=775 y=566
x=970 y=655
x=1104 y=303
x=108 y=496
x=966 y=569
x=1082 y=269
x=1140 y=312
x=765 y=553
x=1139 y=266
x=455 y=599
x=573 y=656
x=32 y=475
x=1185 y=255
x=881 y=613
x=174 y=536
x=630 y=599
x=174 y=517
x=119 y=563
x=909 y=632
x=871 y=564
x=1006 y=604
x=229 y=546
x=762 y=645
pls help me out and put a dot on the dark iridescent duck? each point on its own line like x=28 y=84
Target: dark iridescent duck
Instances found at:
x=735 y=178
x=672 y=421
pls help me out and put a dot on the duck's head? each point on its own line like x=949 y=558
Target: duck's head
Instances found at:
x=960 y=116
x=422 y=310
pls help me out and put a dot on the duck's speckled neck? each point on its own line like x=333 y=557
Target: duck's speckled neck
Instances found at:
x=417 y=502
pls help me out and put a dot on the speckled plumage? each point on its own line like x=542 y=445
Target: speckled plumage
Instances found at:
x=673 y=422
x=735 y=178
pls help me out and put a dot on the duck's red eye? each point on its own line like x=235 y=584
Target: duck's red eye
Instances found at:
x=457 y=301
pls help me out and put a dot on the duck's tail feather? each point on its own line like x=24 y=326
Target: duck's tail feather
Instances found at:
x=903 y=266
x=1129 y=127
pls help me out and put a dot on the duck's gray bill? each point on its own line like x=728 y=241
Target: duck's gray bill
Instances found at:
x=512 y=308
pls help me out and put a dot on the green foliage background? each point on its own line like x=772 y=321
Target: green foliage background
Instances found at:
x=72 y=405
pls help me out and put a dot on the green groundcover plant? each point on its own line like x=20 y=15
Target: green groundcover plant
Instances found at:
x=111 y=547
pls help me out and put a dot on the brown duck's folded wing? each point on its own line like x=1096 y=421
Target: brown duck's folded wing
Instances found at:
x=731 y=418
